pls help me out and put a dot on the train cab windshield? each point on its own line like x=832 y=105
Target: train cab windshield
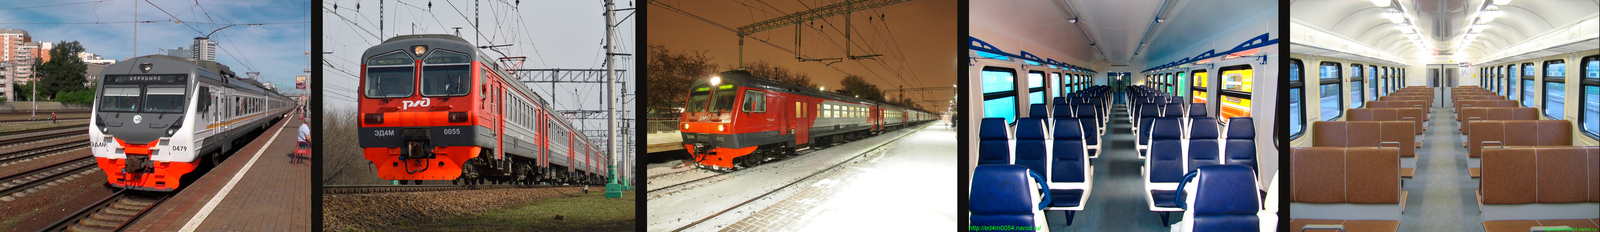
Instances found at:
x=164 y=99
x=722 y=101
x=707 y=97
x=119 y=99
x=389 y=76
x=445 y=74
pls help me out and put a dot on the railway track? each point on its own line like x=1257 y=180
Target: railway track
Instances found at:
x=43 y=151
x=349 y=189
x=18 y=132
x=721 y=173
x=44 y=134
x=17 y=185
x=112 y=213
x=40 y=120
x=785 y=186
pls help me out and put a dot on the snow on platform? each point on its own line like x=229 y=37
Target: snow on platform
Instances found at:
x=914 y=159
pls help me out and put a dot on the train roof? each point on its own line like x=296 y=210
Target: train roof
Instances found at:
x=171 y=64
x=745 y=78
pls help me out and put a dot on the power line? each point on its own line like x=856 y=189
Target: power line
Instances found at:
x=55 y=5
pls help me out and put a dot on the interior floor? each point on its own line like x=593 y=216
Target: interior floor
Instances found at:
x=1442 y=195
x=1117 y=203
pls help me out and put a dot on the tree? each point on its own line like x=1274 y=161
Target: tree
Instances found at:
x=770 y=71
x=855 y=86
x=63 y=73
x=670 y=74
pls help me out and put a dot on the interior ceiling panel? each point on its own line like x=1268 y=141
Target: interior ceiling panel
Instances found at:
x=1116 y=25
x=1442 y=22
x=1039 y=22
x=1195 y=21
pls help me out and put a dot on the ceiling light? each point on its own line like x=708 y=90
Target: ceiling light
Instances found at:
x=1478 y=27
x=1161 y=20
x=1502 y=2
x=1073 y=20
x=1381 y=3
x=1488 y=14
x=1394 y=15
x=1404 y=27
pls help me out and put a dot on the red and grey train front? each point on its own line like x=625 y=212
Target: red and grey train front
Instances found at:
x=412 y=132
x=140 y=137
x=709 y=125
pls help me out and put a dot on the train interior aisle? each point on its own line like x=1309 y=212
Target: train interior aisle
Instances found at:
x=1444 y=115
x=1122 y=115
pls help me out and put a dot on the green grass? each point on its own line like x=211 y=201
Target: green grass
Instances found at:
x=580 y=212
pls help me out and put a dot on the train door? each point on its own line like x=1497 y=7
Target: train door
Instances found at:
x=1442 y=77
x=802 y=120
x=754 y=110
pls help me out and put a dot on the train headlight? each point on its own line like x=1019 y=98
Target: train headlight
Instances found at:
x=685 y=126
x=373 y=119
x=458 y=116
x=721 y=128
x=101 y=124
x=172 y=130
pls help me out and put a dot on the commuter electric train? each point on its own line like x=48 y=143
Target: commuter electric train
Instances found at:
x=1138 y=115
x=734 y=120
x=157 y=118
x=433 y=107
x=1444 y=115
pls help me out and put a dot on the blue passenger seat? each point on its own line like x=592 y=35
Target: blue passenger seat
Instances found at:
x=994 y=145
x=1204 y=149
x=1224 y=198
x=1088 y=123
x=1240 y=146
x=1006 y=195
x=1032 y=145
x=1165 y=166
x=1071 y=176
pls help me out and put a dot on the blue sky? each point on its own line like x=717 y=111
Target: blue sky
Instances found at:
x=278 y=51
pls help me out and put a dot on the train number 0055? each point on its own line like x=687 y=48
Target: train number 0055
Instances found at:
x=452 y=131
x=382 y=133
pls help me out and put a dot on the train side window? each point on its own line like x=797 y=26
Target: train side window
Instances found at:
x=1589 y=114
x=1372 y=74
x=1198 y=77
x=1234 y=87
x=755 y=101
x=1036 y=87
x=999 y=95
x=1555 y=91
x=799 y=110
x=1356 y=80
x=1511 y=85
x=1528 y=71
x=1331 y=90
x=1297 y=108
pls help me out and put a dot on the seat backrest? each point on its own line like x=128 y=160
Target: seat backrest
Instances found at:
x=1148 y=113
x=1177 y=99
x=1038 y=110
x=1031 y=149
x=1173 y=110
x=1059 y=101
x=1067 y=152
x=1002 y=196
x=1089 y=123
x=1357 y=175
x=1204 y=149
x=1365 y=134
x=1518 y=133
x=1240 y=144
x=994 y=146
x=1159 y=100
x=1166 y=151
x=1197 y=110
x=1225 y=199
x=1062 y=111
x=1556 y=174
x=1469 y=114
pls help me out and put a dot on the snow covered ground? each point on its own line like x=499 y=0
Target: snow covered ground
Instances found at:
x=922 y=156
x=663 y=138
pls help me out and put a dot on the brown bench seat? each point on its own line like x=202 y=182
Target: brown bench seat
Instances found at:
x=1483 y=103
x=1470 y=114
x=1540 y=183
x=1338 y=183
x=1396 y=134
x=1524 y=225
x=1515 y=133
x=1349 y=225
x=1401 y=104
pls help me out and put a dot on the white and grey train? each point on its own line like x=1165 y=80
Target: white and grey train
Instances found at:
x=158 y=117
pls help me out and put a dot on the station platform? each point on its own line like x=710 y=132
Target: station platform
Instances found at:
x=271 y=193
